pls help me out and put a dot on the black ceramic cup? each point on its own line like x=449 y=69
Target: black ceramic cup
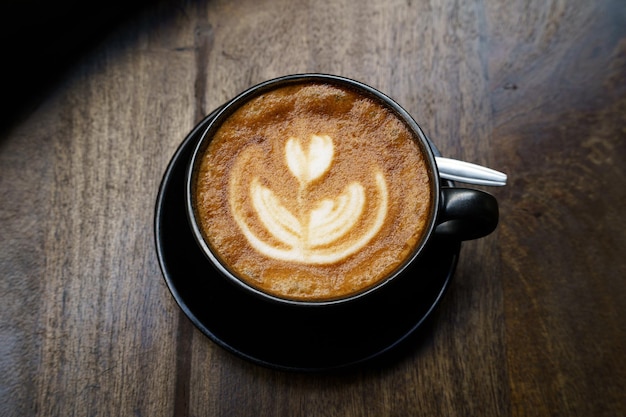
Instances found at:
x=456 y=213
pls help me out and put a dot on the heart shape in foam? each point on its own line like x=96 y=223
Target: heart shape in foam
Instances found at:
x=309 y=166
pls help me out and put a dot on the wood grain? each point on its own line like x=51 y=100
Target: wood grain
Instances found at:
x=532 y=325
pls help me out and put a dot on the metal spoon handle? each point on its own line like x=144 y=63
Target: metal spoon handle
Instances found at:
x=455 y=170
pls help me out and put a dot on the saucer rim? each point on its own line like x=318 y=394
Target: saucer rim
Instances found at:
x=167 y=273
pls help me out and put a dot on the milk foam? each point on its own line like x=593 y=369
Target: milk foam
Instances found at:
x=313 y=191
x=311 y=236
x=312 y=164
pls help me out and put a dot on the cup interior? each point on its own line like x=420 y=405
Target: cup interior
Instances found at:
x=232 y=106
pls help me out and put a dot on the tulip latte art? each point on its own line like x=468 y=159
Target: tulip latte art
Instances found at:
x=310 y=234
x=313 y=192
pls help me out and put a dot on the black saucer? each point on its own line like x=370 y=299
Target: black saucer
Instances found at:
x=290 y=338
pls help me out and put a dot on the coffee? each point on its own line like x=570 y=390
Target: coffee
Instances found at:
x=313 y=191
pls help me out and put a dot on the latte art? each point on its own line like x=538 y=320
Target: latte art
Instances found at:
x=312 y=164
x=312 y=192
x=309 y=236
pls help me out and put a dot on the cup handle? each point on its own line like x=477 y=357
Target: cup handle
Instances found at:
x=466 y=214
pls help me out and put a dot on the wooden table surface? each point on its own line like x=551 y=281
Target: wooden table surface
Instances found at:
x=533 y=323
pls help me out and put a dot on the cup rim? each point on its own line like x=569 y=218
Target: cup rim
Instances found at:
x=235 y=103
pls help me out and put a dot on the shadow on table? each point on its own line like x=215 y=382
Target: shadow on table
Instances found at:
x=40 y=40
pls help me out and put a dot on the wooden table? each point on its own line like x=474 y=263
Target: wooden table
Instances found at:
x=533 y=323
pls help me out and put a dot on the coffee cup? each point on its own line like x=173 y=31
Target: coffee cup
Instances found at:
x=315 y=189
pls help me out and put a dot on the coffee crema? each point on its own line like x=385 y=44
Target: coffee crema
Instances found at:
x=313 y=192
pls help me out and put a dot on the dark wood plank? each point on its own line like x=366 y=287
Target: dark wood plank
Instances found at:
x=95 y=334
x=559 y=113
